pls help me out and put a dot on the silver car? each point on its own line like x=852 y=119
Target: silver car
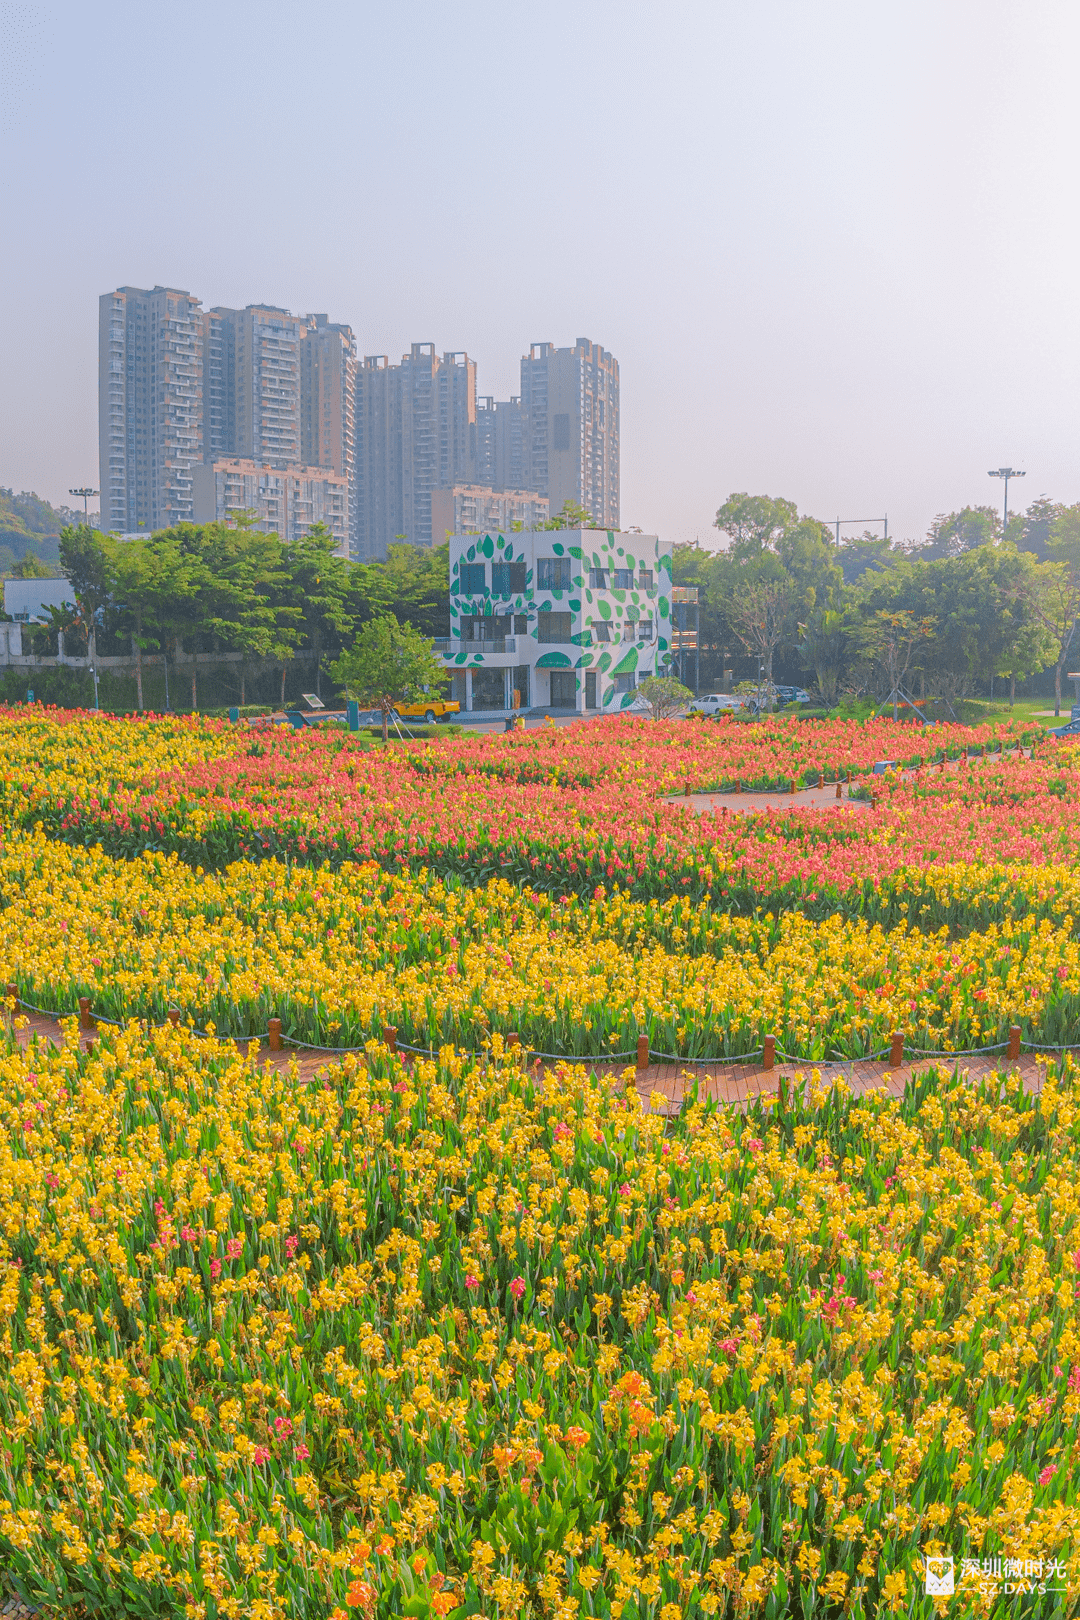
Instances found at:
x=716 y=703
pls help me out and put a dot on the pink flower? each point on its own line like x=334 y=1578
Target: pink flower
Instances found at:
x=1047 y=1475
x=234 y=1248
x=517 y=1287
x=754 y=1144
x=876 y=1276
x=471 y=1281
x=215 y=1269
x=301 y=1452
x=261 y=1455
x=284 y=1427
x=291 y=1246
x=189 y=1234
x=624 y=1190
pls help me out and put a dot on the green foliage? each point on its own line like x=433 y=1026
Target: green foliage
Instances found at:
x=413 y=583
x=572 y=516
x=389 y=663
x=664 y=695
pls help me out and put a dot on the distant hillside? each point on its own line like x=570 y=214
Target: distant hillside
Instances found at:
x=27 y=523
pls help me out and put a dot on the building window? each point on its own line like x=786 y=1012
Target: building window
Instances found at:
x=560 y=439
x=601 y=630
x=598 y=579
x=471 y=578
x=553 y=627
x=628 y=630
x=645 y=579
x=521 y=624
x=644 y=630
x=625 y=683
x=507 y=579
x=624 y=579
x=553 y=573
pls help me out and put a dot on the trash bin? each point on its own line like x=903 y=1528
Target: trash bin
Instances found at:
x=234 y=715
x=352 y=714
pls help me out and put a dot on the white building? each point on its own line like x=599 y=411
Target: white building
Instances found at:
x=28 y=600
x=563 y=618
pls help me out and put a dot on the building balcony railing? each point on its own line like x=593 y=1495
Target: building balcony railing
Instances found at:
x=449 y=646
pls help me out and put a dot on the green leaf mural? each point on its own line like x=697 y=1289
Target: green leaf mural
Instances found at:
x=553 y=660
x=627 y=663
x=605 y=608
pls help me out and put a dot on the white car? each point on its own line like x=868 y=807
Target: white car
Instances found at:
x=716 y=703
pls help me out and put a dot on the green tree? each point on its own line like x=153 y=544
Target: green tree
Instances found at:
x=868 y=553
x=318 y=584
x=153 y=583
x=759 y=615
x=82 y=558
x=30 y=566
x=823 y=644
x=664 y=695
x=1052 y=593
x=756 y=520
x=956 y=532
x=389 y=663
x=891 y=638
x=572 y=516
x=413 y=583
x=1038 y=521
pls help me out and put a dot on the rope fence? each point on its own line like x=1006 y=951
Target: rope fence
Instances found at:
x=644 y=1055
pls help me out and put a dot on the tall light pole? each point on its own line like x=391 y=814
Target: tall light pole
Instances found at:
x=1006 y=473
x=85 y=495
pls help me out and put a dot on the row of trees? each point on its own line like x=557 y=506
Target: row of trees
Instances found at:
x=968 y=604
x=215 y=588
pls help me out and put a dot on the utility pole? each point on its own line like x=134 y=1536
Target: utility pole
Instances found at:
x=1006 y=473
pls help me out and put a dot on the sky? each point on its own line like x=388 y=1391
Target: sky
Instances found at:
x=832 y=245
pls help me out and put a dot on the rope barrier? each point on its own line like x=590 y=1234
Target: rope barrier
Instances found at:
x=836 y=1060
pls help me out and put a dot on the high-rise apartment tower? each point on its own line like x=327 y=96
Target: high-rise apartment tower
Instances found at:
x=328 y=405
x=150 y=416
x=570 y=428
x=415 y=432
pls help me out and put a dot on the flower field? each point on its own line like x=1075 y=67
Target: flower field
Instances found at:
x=427 y=1341
x=453 y=1336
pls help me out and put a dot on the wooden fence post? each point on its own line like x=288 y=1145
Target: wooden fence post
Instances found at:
x=1014 y=1043
x=642 y=1052
x=390 y=1037
x=896 y=1051
x=85 y=1020
x=275 y=1034
x=768 y=1052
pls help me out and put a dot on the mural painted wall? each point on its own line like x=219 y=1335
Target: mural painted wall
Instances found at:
x=615 y=587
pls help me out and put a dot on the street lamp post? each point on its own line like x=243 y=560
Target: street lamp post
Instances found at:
x=1006 y=473
x=85 y=495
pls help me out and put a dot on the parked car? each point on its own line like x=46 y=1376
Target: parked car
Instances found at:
x=431 y=709
x=716 y=703
x=791 y=694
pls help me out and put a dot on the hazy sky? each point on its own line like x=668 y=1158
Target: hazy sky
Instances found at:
x=833 y=246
